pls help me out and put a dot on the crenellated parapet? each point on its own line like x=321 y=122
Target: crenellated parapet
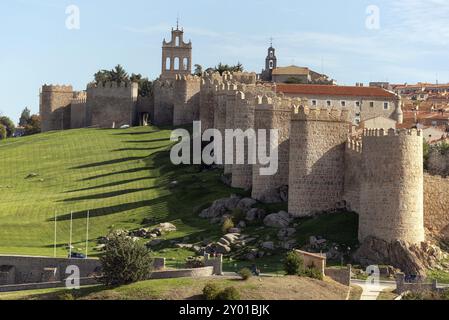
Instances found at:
x=57 y=88
x=113 y=89
x=315 y=114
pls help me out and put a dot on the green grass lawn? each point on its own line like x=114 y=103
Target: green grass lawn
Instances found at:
x=121 y=177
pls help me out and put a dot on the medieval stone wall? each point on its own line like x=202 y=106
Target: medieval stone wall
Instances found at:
x=242 y=174
x=186 y=100
x=273 y=114
x=353 y=174
x=208 y=100
x=78 y=109
x=230 y=100
x=391 y=199
x=163 y=103
x=112 y=105
x=317 y=153
x=54 y=107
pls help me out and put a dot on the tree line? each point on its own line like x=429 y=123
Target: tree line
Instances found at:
x=29 y=124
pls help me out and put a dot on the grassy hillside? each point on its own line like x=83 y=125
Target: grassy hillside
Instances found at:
x=121 y=176
x=293 y=288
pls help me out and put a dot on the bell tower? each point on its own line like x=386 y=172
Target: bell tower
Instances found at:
x=176 y=55
x=270 y=63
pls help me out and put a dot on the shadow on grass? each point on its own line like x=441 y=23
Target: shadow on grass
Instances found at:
x=109 y=162
x=135 y=133
x=138 y=149
x=99 y=212
x=106 y=195
x=113 y=173
x=112 y=184
x=148 y=141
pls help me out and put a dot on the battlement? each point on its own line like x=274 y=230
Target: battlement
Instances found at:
x=190 y=78
x=302 y=113
x=392 y=132
x=79 y=100
x=57 y=88
x=112 y=85
x=270 y=103
x=354 y=145
x=113 y=90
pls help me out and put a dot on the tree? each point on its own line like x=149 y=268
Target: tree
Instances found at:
x=198 y=70
x=293 y=264
x=9 y=125
x=295 y=80
x=33 y=125
x=25 y=117
x=222 y=68
x=102 y=76
x=145 y=85
x=118 y=74
x=3 y=133
x=125 y=261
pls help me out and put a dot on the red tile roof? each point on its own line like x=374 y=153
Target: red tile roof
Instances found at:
x=329 y=90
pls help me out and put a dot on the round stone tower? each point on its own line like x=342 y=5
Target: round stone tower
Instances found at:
x=54 y=107
x=391 y=199
x=317 y=160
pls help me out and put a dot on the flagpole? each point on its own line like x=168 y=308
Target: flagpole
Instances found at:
x=56 y=228
x=71 y=230
x=87 y=233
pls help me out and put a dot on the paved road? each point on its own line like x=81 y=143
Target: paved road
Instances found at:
x=371 y=291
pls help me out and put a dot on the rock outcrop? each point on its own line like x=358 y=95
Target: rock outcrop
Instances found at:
x=409 y=258
x=279 y=220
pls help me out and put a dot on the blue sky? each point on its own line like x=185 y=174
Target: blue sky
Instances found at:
x=411 y=45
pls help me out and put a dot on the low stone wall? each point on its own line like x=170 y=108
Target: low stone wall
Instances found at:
x=45 y=285
x=403 y=286
x=436 y=205
x=25 y=270
x=183 y=273
x=342 y=276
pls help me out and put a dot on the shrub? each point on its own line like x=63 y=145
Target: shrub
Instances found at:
x=245 y=273
x=312 y=273
x=211 y=291
x=227 y=224
x=443 y=148
x=229 y=294
x=125 y=261
x=293 y=264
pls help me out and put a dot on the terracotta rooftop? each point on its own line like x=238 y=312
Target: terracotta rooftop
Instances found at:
x=291 y=70
x=329 y=90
